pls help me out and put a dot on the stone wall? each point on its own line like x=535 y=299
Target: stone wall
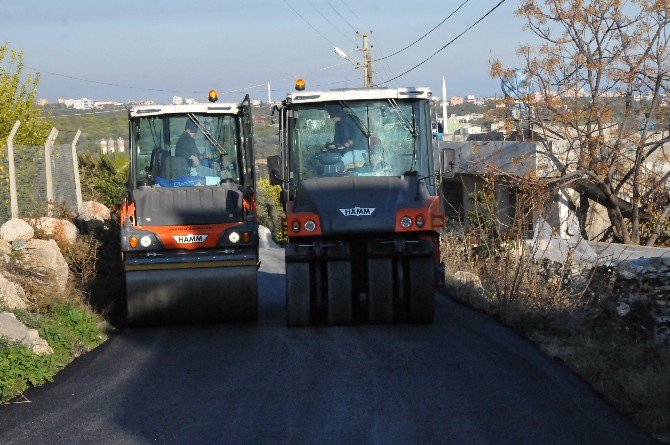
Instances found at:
x=642 y=287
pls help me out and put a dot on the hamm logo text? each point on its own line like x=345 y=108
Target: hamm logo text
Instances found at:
x=190 y=239
x=358 y=211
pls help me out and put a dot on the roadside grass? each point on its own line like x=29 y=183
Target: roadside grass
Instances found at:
x=69 y=330
x=578 y=326
x=65 y=321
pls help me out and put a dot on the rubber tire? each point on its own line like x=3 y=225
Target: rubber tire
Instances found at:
x=422 y=291
x=297 y=294
x=339 y=293
x=380 y=290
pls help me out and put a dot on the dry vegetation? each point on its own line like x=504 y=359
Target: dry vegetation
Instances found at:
x=568 y=310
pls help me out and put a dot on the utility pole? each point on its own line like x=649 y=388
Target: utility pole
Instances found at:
x=445 y=118
x=367 y=60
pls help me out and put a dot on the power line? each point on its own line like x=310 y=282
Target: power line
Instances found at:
x=331 y=23
x=81 y=79
x=384 y=64
x=448 y=43
x=430 y=31
x=342 y=17
x=116 y=85
x=350 y=10
x=308 y=23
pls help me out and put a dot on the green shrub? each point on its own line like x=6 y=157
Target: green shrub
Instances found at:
x=269 y=208
x=104 y=177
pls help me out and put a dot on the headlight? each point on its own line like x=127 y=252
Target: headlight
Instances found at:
x=234 y=237
x=145 y=241
x=420 y=221
x=310 y=225
x=406 y=222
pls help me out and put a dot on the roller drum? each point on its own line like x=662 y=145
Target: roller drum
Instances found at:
x=192 y=295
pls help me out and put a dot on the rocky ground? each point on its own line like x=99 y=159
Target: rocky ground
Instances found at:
x=39 y=281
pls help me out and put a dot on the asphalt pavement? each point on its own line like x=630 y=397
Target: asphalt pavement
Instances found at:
x=463 y=379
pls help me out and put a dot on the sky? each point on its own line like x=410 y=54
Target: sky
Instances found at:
x=155 y=49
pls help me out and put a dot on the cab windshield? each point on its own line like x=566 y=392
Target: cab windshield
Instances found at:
x=185 y=150
x=362 y=138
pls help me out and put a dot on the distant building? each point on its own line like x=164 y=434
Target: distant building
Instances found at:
x=42 y=102
x=77 y=104
x=103 y=146
x=471 y=130
x=256 y=103
x=470 y=99
x=106 y=103
x=121 y=144
x=190 y=101
x=177 y=100
x=456 y=100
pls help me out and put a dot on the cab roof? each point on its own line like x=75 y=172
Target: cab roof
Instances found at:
x=209 y=108
x=359 y=94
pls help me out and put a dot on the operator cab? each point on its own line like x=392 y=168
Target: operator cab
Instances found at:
x=215 y=140
x=376 y=132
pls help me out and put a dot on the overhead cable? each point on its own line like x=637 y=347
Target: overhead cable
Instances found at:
x=447 y=44
x=308 y=23
x=332 y=24
x=117 y=85
x=342 y=17
x=423 y=36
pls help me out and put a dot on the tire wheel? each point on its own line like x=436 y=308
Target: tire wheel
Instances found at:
x=422 y=293
x=339 y=292
x=297 y=294
x=380 y=290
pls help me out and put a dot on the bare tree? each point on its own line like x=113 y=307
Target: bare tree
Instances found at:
x=600 y=77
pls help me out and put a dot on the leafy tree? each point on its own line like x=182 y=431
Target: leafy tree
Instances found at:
x=18 y=92
x=600 y=77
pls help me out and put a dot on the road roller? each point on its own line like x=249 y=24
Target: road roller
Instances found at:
x=362 y=214
x=189 y=232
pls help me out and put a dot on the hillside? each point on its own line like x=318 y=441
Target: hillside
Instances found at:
x=97 y=125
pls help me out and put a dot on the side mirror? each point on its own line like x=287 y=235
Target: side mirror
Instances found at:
x=447 y=162
x=275 y=170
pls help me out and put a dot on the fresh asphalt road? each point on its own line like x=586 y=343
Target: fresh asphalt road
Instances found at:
x=463 y=379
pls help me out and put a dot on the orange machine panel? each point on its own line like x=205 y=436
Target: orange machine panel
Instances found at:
x=189 y=237
x=301 y=218
x=430 y=211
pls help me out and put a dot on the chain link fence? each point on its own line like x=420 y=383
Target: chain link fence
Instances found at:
x=37 y=194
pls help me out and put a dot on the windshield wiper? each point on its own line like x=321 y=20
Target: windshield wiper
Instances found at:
x=207 y=134
x=411 y=127
x=361 y=126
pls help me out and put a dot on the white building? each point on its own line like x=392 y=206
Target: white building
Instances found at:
x=177 y=100
x=106 y=103
x=190 y=101
x=77 y=104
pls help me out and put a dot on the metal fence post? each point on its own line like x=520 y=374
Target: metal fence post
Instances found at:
x=75 y=167
x=14 y=203
x=48 y=145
